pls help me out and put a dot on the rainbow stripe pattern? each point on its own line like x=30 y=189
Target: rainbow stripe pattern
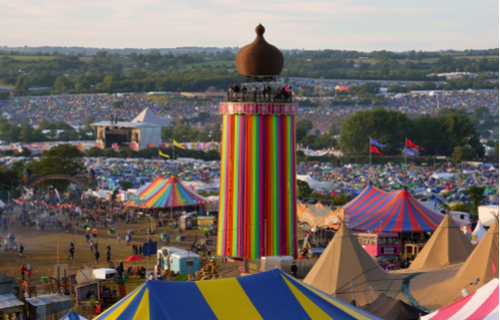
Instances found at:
x=166 y=193
x=267 y=295
x=258 y=203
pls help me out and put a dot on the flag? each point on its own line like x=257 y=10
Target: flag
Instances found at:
x=115 y=146
x=493 y=265
x=149 y=145
x=178 y=145
x=374 y=150
x=375 y=143
x=163 y=154
x=134 y=146
x=410 y=152
x=163 y=145
x=412 y=145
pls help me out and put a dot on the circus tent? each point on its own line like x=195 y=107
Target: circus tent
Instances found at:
x=374 y=210
x=73 y=316
x=266 y=295
x=481 y=304
x=166 y=193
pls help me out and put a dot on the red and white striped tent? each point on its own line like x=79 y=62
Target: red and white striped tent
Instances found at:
x=481 y=304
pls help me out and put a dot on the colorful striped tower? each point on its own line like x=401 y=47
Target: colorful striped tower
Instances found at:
x=258 y=202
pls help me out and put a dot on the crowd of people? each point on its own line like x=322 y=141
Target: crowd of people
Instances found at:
x=255 y=93
x=74 y=109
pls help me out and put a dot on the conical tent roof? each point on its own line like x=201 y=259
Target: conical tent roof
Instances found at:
x=73 y=316
x=346 y=271
x=375 y=210
x=166 y=193
x=147 y=115
x=267 y=295
x=478 y=232
x=448 y=245
x=480 y=262
x=392 y=309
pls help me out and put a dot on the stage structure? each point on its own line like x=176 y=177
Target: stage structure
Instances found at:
x=258 y=202
x=127 y=134
x=144 y=129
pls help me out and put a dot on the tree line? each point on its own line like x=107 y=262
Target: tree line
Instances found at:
x=196 y=71
x=439 y=135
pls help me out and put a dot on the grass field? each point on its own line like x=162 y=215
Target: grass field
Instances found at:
x=40 y=249
x=213 y=63
x=475 y=57
x=27 y=58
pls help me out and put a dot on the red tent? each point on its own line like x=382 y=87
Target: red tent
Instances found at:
x=134 y=258
x=374 y=210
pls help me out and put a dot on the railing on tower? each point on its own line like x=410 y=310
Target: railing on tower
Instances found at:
x=256 y=93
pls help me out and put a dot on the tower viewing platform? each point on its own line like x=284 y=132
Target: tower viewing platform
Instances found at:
x=258 y=201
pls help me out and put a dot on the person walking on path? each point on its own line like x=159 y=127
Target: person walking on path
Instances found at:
x=22 y=271
x=29 y=268
x=294 y=269
x=140 y=249
x=108 y=253
x=97 y=255
x=127 y=238
x=21 y=249
x=91 y=244
x=71 y=253
x=118 y=238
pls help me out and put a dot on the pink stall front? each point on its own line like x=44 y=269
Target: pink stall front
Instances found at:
x=384 y=248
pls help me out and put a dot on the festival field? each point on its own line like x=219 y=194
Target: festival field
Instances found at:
x=40 y=249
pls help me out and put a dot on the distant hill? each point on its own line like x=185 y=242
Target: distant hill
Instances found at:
x=125 y=51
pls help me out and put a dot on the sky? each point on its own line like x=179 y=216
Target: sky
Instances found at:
x=364 y=25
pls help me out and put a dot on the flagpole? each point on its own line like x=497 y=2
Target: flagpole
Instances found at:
x=370 y=151
x=406 y=143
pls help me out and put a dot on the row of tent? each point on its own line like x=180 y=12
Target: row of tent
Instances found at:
x=344 y=276
x=375 y=210
x=447 y=264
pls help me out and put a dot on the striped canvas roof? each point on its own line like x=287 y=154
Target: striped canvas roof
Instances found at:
x=374 y=210
x=479 y=305
x=266 y=295
x=166 y=193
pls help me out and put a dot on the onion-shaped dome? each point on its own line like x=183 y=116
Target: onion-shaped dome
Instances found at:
x=259 y=58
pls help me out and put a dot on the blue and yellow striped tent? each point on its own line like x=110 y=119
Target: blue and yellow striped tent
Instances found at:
x=267 y=295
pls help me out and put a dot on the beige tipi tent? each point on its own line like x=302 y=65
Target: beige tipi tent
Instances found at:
x=483 y=262
x=437 y=289
x=448 y=245
x=346 y=271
